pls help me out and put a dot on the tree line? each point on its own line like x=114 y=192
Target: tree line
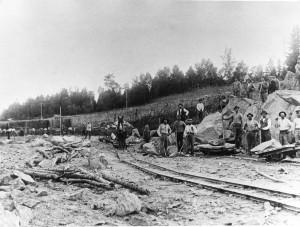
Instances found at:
x=146 y=87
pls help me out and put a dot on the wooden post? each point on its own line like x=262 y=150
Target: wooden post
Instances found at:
x=60 y=118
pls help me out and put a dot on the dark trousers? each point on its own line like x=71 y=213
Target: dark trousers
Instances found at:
x=8 y=135
x=88 y=134
x=251 y=140
x=164 y=145
x=179 y=138
x=238 y=135
x=283 y=137
x=190 y=143
x=265 y=135
x=200 y=116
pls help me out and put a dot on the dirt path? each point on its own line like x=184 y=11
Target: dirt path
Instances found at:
x=168 y=204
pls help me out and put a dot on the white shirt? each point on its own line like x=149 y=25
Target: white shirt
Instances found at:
x=284 y=124
x=296 y=123
x=189 y=129
x=89 y=127
x=268 y=126
x=200 y=107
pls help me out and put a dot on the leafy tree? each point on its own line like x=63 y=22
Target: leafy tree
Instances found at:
x=228 y=65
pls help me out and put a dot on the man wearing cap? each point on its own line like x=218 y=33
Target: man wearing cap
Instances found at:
x=284 y=126
x=237 y=123
x=296 y=125
x=251 y=128
x=189 y=133
x=264 y=126
x=164 y=131
x=182 y=112
x=179 y=127
x=200 y=109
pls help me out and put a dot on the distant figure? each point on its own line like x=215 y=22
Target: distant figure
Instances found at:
x=251 y=128
x=250 y=89
x=296 y=125
x=263 y=89
x=182 y=112
x=237 y=122
x=179 y=127
x=164 y=131
x=189 y=133
x=237 y=87
x=146 y=133
x=223 y=101
x=274 y=85
x=121 y=132
x=200 y=109
x=284 y=126
x=88 y=130
x=265 y=126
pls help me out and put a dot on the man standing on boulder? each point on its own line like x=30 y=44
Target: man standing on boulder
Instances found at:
x=284 y=126
x=296 y=125
x=265 y=125
x=251 y=128
x=237 y=126
x=237 y=87
x=263 y=88
x=189 y=133
x=164 y=131
x=200 y=109
x=179 y=127
x=182 y=112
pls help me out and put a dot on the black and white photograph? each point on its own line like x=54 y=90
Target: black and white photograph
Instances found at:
x=149 y=113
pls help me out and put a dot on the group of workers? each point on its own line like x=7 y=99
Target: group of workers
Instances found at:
x=258 y=132
x=267 y=86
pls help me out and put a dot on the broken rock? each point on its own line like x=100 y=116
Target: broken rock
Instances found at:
x=26 y=178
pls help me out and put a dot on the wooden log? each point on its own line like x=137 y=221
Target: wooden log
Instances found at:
x=42 y=175
x=125 y=183
x=86 y=181
x=43 y=153
x=88 y=177
x=60 y=149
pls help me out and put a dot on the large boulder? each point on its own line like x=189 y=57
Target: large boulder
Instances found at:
x=210 y=128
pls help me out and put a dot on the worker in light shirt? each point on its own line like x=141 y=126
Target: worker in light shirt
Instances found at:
x=189 y=133
x=284 y=125
x=200 y=109
x=164 y=130
x=265 y=125
x=296 y=125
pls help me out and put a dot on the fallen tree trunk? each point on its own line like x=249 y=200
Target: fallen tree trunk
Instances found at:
x=90 y=182
x=45 y=175
x=125 y=183
x=60 y=149
x=43 y=153
x=269 y=177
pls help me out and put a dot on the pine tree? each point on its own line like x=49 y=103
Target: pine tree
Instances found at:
x=293 y=54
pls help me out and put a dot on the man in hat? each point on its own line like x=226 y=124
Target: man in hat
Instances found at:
x=251 y=128
x=88 y=130
x=263 y=88
x=164 y=131
x=264 y=126
x=179 y=127
x=189 y=133
x=237 y=125
x=250 y=89
x=296 y=125
x=182 y=112
x=237 y=87
x=200 y=109
x=284 y=126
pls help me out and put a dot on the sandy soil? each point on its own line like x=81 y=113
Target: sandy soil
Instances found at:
x=170 y=203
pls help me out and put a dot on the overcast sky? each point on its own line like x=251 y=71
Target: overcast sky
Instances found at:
x=46 y=45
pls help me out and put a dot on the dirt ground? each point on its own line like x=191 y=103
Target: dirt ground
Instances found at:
x=169 y=203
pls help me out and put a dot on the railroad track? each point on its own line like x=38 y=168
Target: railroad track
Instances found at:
x=285 y=199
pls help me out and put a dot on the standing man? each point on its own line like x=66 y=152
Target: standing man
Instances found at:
x=251 y=127
x=237 y=87
x=189 y=133
x=179 y=127
x=237 y=126
x=182 y=112
x=88 y=130
x=200 y=109
x=296 y=125
x=264 y=126
x=263 y=88
x=164 y=131
x=250 y=89
x=284 y=126
x=146 y=134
